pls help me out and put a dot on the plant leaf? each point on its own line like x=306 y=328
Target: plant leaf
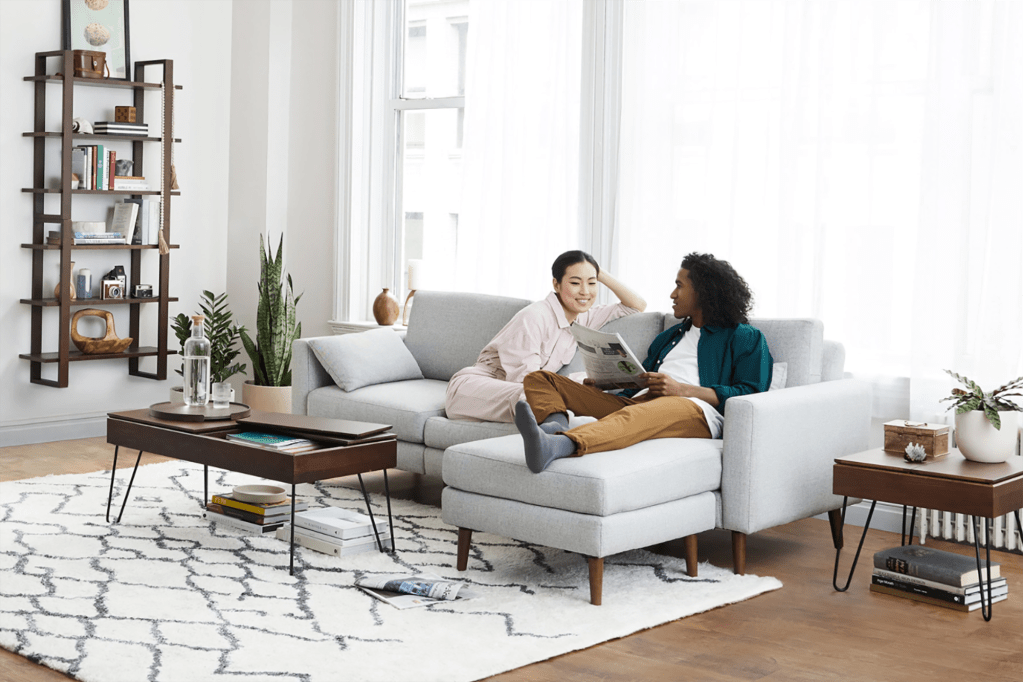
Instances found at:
x=992 y=416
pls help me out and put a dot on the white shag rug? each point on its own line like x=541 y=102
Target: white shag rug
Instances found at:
x=168 y=597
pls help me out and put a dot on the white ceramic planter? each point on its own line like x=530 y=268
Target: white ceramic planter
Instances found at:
x=979 y=441
x=267 y=398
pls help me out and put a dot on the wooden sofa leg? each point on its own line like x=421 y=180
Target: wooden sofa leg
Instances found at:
x=835 y=519
x=596 y=578
x=691 y=555
x=464 y=540
x=739 y=552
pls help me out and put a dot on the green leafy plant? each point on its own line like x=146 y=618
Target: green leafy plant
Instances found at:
x=989 y=403
x=221 y=332
x=277 y=326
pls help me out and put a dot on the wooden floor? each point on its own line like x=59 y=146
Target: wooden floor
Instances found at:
x=805 y=631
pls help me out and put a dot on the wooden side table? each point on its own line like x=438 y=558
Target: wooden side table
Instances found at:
x=950 y=483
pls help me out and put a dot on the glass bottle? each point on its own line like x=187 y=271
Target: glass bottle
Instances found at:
x=197 y=365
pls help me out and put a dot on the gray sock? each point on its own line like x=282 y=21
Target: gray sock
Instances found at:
x=541 y=448
x=556 y=423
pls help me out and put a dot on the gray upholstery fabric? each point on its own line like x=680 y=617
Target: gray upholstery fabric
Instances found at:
x=306 y=374
x=603 y=483
x=833 y=364
x=376 y=356
x=780 y=447
x=442 y=432
x=587 y=534
x=433 y=462
x=447 y=330
x=406 y=405
x=638 y=331
x=411 y=457
x=799 y=342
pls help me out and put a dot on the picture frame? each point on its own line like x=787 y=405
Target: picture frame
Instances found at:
x=99 y=26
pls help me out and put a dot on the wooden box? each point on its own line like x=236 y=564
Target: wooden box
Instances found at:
x=124 y=114
x=900 y=433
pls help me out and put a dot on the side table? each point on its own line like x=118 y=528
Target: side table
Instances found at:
x=950 y=483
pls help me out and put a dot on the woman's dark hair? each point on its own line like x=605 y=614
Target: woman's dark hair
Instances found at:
x=562 y=262
x=723 y=294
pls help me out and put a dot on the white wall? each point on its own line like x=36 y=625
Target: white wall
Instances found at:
x=197 y=36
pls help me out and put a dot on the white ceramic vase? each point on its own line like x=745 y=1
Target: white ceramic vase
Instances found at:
x=979 y=441
x=267 y=398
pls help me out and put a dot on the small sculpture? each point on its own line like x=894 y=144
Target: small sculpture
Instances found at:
x=915 y=453
x=107 y=344
x=81 y=126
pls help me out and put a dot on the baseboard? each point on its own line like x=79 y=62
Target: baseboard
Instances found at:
x=87 y=426
x=887 y=516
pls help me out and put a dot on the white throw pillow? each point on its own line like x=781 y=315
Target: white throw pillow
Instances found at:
x=377 y=356
x=779 y=375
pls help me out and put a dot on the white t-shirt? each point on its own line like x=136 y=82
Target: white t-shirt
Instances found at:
x=681 y=365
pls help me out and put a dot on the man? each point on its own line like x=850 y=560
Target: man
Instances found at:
x=692 y=370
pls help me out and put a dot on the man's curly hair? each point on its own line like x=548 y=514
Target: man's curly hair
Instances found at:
x=723 y=294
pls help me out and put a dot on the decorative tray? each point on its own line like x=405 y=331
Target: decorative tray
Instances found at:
x=180 y=412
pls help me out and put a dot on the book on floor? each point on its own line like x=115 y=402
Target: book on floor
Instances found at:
x=240 y=524
x=965 y=589
x=337 y=522
x=260 y=519
x=883 y=589
x=384 y=533
x=263 y=508
x=284 y=533
x=934 y=564
x=998 y=589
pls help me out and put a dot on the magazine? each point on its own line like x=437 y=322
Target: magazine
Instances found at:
x=409 y=591
x=609 y=360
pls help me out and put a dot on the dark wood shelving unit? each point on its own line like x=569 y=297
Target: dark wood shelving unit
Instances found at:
x=40 y=301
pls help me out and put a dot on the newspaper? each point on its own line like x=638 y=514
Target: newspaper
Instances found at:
x=608 y=359
x=409 y=591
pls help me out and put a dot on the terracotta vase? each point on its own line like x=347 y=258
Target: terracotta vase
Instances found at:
x=385 y=308
x=70 y=285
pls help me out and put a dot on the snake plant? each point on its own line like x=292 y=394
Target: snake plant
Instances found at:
x=277 y=326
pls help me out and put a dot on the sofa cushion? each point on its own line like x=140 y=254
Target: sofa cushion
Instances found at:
x=442 y=432
x=603 y=483
x=797 y=342
x=377 y=356
x=638 y=330
x=406 y=405
x=447 y=330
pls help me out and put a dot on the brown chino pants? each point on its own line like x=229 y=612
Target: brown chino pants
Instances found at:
x=621 y=422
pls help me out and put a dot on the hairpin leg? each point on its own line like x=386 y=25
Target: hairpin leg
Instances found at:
x=838 y=552
x=130 y=481
x=986 y=604
x=390 y=519
x=372 y=520
x=113 y=470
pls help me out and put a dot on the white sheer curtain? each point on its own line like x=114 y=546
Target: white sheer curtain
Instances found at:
x=519 y=203
x=860 y=162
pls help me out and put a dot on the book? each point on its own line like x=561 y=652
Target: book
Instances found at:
x=937 y=593
x=78 y=165
x=327 y=547
x=882 y=589
x=270 y=440
x=934 y=564
x=101 y=176
x=141 y=220
x=966 y=589
x=336 y=522
x=240 y=524
x=385 y=535
x=94 y=242
x=251 y=517
x=98 y=235
x=124 y=185
x=259 y=507
x=123 y=222
x=152 y=237
x=111 y=161
x=124 y=125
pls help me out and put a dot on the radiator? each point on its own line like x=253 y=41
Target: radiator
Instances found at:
x=944 y=525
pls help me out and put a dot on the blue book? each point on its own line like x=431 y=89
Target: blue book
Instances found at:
x=272 y=440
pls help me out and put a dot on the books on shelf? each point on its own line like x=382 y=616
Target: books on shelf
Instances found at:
x=336 y=522
x=321 y=544
x=124 y=219
x=120 y=128
x=131 y=183
x=263 y=508
x=937 y=565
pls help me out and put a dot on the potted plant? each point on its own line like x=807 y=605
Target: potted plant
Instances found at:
x=986 y=423
x=277 y=327
x=222 y=333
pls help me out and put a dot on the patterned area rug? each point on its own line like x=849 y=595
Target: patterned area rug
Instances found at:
x=168 y=597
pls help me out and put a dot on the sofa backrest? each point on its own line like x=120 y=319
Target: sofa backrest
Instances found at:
x=447 y=330
x=798 y=342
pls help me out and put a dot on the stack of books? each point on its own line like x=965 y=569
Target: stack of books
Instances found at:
x=936 y=577
x=94 y=238
x=336 y=531
x=254 y=517
x=273 y=441
x=130 y=183
x=120 y=128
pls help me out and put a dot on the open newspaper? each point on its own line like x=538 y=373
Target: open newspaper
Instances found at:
x=608 y=359
x=408 y=591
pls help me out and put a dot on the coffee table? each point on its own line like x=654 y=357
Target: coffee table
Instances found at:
x=950 y=483
x=206 y=443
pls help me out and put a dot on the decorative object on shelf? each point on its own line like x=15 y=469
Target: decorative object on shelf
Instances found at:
x=986 y=423
x=81 y=126
x=70 y=285
x=124 y=115
x=142 y=291
x=106 y=344
x=416 y=278
x=221 y=332
x=91 y=64
x=84 y=287
x=385 y=308
x=112 y=289
x=915 y=453
x=122 y=167
x=99 y=26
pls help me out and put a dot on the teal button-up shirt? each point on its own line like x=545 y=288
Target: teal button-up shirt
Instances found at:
x=732 y=360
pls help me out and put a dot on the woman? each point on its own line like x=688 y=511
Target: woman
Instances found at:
x=538 y=337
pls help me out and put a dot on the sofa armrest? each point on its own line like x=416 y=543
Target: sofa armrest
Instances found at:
x=307 y=374
x=779 y=451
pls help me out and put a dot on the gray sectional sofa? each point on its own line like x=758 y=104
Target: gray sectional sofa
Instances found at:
x=772 y=466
